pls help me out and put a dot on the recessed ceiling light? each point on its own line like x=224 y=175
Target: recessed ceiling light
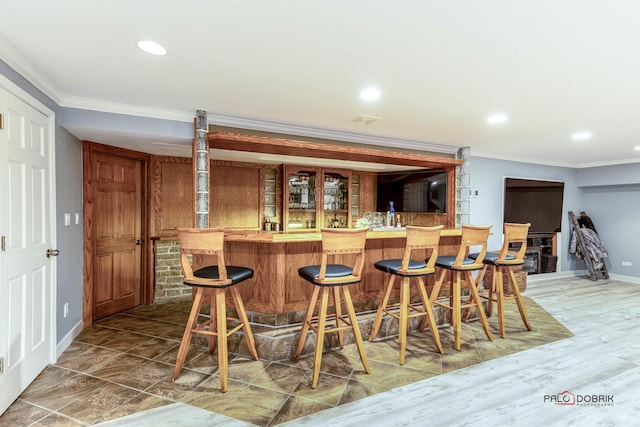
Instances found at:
x=581 y=136
x=496 y=118
x=370 y=94
x=152 y=48
x=637 y=148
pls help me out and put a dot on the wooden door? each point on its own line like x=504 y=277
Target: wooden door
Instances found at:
x=27 y=215
x=117 y=280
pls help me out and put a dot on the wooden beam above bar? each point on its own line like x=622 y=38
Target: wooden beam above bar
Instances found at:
x=288 y=147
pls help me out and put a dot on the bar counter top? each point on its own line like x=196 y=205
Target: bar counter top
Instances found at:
x=289 y=237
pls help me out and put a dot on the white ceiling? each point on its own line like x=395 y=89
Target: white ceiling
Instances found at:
x=554 y=67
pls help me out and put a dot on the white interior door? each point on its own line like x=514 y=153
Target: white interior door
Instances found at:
x=27 y=275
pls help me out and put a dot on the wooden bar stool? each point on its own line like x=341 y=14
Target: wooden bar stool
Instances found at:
x=417 y=238
x=511 y=254
x=211 y=282
x=331 y=278
x=461 y=267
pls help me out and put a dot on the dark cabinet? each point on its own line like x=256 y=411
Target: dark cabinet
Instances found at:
x=541 y=255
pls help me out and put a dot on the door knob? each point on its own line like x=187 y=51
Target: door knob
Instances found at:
x=52 y=252
x=139 y=242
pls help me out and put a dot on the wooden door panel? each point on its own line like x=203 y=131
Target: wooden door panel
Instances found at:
x=128 y=226
x=126 y=273
x=104 y=277
x=117 y=220
x=103 y=223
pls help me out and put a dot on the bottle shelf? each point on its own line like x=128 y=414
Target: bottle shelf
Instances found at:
x=317 y=196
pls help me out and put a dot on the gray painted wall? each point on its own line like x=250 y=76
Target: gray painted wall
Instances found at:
x=70 y=238
x=612 y=200
x=68 y=199
x=614 y=211
x=609 y=175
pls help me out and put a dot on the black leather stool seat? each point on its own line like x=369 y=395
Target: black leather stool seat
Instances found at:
x=492 y=258
x=392 y=266
x=447 y=261
x=234 y=273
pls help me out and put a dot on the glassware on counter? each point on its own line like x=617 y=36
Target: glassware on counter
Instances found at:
x=377 y=220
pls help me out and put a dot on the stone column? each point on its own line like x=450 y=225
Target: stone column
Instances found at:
x=201 y=170
x=463 y=187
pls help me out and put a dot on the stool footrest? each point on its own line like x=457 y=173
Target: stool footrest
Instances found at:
x=464 y=303
x=200 y=329
x=332 y=317
x=417 y=312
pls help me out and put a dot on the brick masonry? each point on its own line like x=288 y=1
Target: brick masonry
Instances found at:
x=169 y=286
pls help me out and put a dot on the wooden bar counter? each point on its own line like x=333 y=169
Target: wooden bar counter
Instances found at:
x=276 y=257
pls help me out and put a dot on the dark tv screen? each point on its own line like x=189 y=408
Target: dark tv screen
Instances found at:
x=415 y=191
x=534 y=201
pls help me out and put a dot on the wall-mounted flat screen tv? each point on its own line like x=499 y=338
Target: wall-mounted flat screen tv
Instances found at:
x=413 y=191
x=535 y=201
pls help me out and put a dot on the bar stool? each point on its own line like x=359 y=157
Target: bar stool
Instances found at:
x=211 y=282
x=515 y=239
x=331 y=278
x=461 y=267
x=407 y=268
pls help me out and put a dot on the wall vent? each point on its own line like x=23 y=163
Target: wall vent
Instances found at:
x=364 y=120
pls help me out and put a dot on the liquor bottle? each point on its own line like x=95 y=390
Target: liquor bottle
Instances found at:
x=390 y=216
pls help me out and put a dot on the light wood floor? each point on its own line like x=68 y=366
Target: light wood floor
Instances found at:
x=603 y=358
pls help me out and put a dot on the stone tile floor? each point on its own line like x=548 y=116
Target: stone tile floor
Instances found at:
x=122 y=365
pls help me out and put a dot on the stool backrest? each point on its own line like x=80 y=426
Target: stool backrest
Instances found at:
x=338 y=241
x=472 y=235
x=514 y=234
x=421 y=238
x=202 y=241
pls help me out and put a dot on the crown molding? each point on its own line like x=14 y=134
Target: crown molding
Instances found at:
x=103 y=106
x=524 y=160
x=609 y=163
x=21 y=65
x=557 y=164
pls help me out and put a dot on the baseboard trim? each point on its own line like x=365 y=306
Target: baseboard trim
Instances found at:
x=68 y=339
x=535 y=278
x=623 y=278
